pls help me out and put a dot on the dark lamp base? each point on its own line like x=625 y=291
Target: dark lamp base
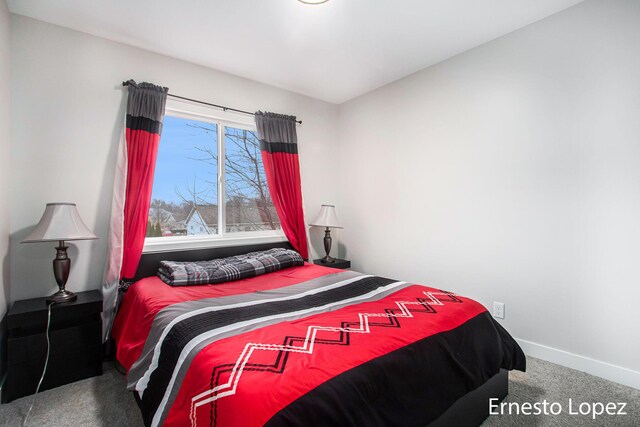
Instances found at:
x=62 y=296
x=327 y=247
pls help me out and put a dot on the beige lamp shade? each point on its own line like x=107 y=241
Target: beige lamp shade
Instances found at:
x=60 y=221
x=326 y=217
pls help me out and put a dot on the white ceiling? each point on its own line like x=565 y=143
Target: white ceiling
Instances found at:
x=334 y=51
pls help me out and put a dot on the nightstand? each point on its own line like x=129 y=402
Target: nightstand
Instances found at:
x=338 y=263
x=76 y=343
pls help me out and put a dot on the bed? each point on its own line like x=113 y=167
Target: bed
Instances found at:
x=308 y=345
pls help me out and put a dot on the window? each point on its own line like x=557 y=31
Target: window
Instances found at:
x=209 y=182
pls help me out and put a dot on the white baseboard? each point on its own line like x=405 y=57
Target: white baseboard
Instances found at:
x=600 y=369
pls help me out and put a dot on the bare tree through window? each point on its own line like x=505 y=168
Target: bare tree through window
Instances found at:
x=194 y=208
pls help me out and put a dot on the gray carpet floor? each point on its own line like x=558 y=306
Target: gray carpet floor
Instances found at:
x=555 y=383
x=104 y=401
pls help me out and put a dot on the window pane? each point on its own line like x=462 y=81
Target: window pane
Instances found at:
x=184 y=199
x=248 y=203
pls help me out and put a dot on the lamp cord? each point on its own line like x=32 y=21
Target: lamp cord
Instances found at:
x=46 y=362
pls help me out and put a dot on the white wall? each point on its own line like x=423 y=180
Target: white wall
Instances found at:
x=511 y=173
x=5 y=143
x=68 y=111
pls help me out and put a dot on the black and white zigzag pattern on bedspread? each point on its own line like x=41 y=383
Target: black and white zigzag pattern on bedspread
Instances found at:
x=389 y=319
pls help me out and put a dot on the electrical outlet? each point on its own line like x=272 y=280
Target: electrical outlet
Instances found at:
x=498 y=310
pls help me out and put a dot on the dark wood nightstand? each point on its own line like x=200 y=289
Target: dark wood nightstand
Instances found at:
x=338 y=263
x=76 y=343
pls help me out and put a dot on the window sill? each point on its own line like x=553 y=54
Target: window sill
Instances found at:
x=166 y=244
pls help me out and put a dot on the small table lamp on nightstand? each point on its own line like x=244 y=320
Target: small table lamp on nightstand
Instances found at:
x=327 y=218
x=60 y=222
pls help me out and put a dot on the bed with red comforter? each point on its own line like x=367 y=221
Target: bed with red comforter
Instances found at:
x=307 y=345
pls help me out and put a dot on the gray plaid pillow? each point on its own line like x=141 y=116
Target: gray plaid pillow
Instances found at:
x=223 y=270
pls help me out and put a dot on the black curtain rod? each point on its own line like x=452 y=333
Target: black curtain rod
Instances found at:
x=209 y=104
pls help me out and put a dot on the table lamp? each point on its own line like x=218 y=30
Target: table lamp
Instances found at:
x=327 y=218
x=60 y=222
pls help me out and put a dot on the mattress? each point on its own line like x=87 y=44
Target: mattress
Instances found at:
x=307 y=345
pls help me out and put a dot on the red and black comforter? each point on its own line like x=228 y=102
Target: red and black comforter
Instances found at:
x=305 y=346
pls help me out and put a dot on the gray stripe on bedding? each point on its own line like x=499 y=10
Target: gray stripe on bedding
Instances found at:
x=184 y=367
x=165 y=316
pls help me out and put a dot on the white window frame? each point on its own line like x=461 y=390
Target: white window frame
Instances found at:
x=190 y=110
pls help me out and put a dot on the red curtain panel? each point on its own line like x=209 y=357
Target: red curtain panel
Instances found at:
x=133 y=180
x=279 y=147
x=145 y=113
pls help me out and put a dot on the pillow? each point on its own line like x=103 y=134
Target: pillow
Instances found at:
x=222 y=270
